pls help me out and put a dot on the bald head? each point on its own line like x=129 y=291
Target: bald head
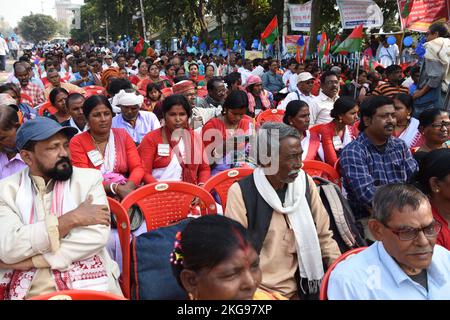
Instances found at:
x=21 y=72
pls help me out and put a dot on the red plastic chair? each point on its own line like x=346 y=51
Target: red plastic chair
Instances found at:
x=322 y=169
x=123 y=229
x=326 y=277
x=223 y=181
x=272 y=115
x=78 y=295
x=337 y=165
x=46 y=106
x=164 y=203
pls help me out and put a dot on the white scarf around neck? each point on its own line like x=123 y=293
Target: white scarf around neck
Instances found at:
x=109 y=160
x=62 y=201
x=300 y=218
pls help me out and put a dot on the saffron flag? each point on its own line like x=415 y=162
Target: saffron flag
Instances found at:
x=305 y=50
x=322 y=48
x=300 y=43
x=270 y=34
x=352 y=43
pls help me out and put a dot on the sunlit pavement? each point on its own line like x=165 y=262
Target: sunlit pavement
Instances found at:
x=4 y=74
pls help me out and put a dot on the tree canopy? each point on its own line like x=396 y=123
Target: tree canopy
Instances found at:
x=37 y=27
x=177 y=18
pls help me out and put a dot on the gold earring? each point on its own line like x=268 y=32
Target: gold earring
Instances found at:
x=191 y=296
x=437 y=190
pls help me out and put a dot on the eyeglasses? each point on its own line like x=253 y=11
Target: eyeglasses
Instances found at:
x=440 y=125
x=408 y=234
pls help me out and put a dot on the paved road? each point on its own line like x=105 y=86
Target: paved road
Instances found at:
x=9 y=66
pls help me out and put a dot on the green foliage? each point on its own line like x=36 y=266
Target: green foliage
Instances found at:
x=37 y=27
x=177 y=18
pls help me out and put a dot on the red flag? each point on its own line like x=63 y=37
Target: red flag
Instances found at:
x=270 y=34
x=139 y=47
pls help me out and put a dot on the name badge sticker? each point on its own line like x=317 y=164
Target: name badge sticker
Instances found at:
x=337 y=143
x=163 y=150
x=95 y=157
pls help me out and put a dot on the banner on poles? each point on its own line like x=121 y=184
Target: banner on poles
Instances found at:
x=418 y=15
x=356 y=12
x=300 y=16
x=253 y=54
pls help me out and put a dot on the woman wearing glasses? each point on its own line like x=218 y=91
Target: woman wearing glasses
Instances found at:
x=434 y=180
x=434 y=126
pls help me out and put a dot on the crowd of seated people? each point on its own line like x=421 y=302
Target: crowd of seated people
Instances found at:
x=149 y=120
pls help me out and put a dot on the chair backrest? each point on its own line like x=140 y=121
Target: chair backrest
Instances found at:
x=46 y=106
x=123 y=229
x=78 y=295
x=322 y=169
x=272 y=115
x=326 y=277
x=222 y=182
x=163 y=203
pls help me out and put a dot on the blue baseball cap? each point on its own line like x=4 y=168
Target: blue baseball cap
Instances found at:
x=40 y=129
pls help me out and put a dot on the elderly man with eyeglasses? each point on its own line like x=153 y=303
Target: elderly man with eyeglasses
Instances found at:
x=404 y=263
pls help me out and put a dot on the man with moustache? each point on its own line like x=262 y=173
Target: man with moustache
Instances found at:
x=281 y=207
x=329 y=89
x=54 y=220
x=374 y=158
x=404 y=263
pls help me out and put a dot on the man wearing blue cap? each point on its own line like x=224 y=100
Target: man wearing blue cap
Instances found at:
x=52 y=235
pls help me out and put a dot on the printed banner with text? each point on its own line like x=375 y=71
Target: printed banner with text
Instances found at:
x=418 y=15
x=356 y=12
x=300 y=16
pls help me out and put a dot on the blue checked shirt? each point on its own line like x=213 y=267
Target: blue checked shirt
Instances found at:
x=364 y=168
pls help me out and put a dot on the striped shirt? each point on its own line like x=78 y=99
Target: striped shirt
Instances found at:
x=364 y=168
x=388 y=90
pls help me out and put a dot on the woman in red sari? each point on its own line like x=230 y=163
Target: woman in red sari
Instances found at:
x=193 y=75
x=113 y=152
x=110 y=150
x=154 y=77
x=174 y=152
x=225 y=130
x=141 y=75
x=341 y=131
x=297 y=116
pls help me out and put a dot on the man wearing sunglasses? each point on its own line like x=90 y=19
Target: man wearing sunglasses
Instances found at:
x=404 y=263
